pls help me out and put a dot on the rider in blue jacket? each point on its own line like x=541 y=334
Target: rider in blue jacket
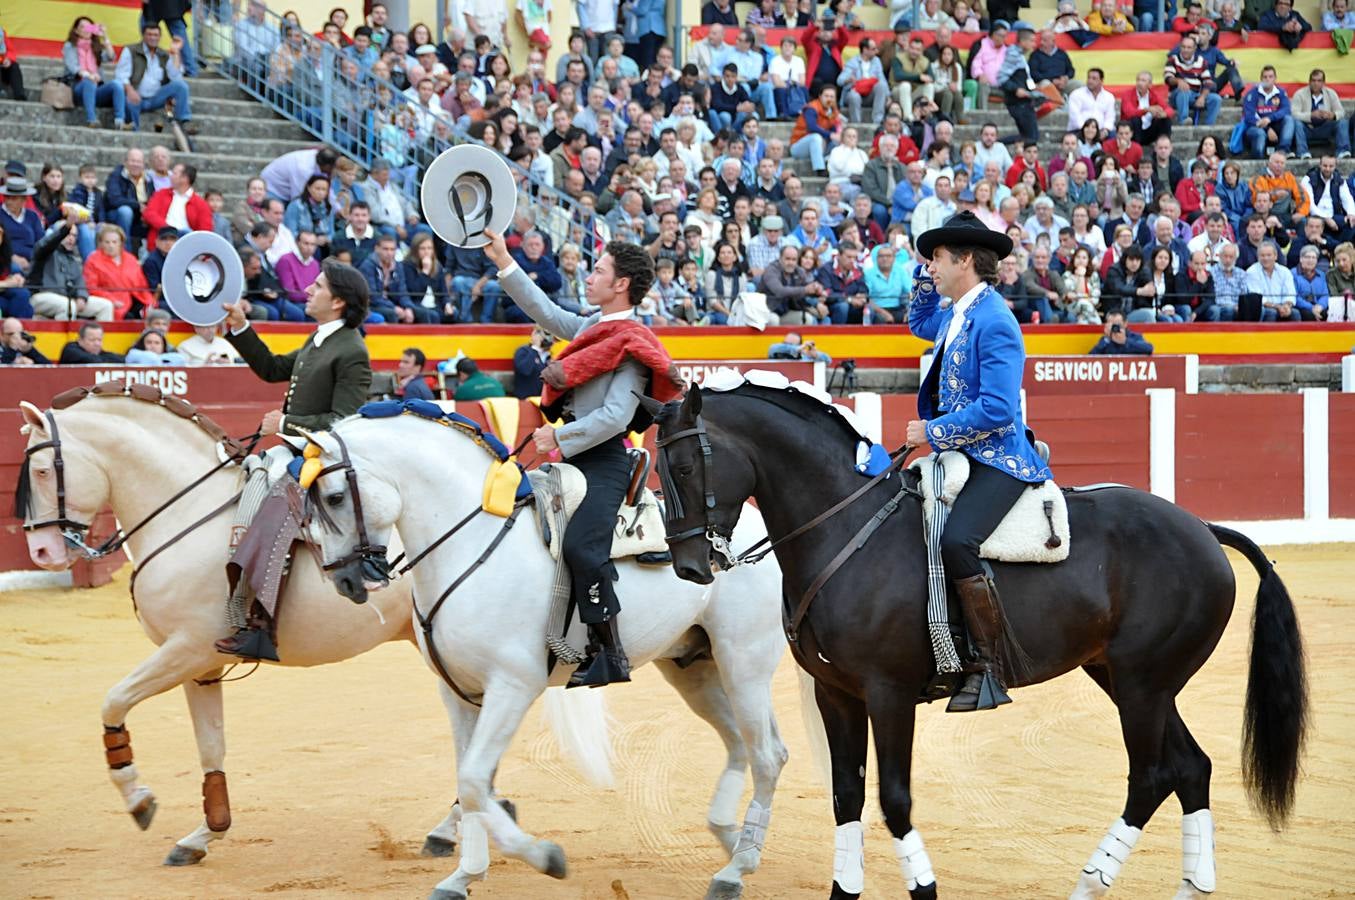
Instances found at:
x=970 y=401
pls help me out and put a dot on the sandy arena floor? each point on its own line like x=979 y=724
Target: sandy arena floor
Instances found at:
x=337 y=773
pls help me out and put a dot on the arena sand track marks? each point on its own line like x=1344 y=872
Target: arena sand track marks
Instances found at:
x=316 y=756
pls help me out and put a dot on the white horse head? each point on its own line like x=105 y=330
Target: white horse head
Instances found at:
x=82 y=479
x=355 y=460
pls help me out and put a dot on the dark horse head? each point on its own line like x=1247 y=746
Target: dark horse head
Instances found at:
x=703 y=494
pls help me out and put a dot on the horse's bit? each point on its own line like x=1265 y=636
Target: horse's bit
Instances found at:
x=673 y=510
x=371 y=557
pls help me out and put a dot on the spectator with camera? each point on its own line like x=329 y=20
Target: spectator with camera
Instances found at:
x=1117 y=339
x=18 y=347
x=795 y=347
x=529 y=361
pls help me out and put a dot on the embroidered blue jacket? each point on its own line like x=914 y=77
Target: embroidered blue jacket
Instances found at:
x=978 y=382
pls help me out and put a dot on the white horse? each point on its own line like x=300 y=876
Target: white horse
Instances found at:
x=490 y=633
x=135 y=455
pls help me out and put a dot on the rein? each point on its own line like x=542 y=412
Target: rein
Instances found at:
x=720 y=542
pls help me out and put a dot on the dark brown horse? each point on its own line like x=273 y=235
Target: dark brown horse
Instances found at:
x=1140 y=604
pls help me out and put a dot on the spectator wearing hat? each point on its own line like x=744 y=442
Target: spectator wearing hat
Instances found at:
x=152 y=77
x=177 y=206
x=22 y=226
x=765 y=247
x=154 y=263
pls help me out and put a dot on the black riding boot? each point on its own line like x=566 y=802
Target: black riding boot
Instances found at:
x=982 y=688
x=606 y=662
x=254 y=642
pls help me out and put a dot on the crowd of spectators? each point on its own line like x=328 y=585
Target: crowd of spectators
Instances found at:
x=614 y=141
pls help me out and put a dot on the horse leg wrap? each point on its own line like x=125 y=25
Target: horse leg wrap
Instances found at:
x=117 y=746
x=1111 y=853
x=849 y=858
x=755 y=823
x=216 y=803
x=913 y=859
x=1197 y=850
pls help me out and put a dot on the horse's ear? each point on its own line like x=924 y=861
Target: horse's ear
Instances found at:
x=320 y=439
x=33 y=417
x=691 y=404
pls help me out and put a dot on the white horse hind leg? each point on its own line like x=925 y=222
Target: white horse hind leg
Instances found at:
x=209 y=728
x=169 y=666
x=1104 y=866
x=700 y=688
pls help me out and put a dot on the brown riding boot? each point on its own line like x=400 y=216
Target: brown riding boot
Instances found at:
x=252 y=643
x=982 y=689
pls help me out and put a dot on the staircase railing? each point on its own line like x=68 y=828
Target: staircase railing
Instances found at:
x=341 y=102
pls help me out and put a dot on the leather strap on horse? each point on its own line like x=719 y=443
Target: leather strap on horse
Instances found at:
x=426 y=622
x=117 y=746
x=855 y=544
x=131 y=584
x=216 y=803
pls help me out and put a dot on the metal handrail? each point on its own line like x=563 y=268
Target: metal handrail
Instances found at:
x=330 y=96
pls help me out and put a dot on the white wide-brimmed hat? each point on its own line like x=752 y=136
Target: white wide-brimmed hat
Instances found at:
x=202 y=271
x=466 y=190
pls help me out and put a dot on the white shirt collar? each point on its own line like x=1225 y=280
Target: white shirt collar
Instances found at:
x=325 y=330
x=618 y=316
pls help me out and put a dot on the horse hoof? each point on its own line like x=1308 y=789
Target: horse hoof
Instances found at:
x=511 y=808
x=185 y=856
x=555 y=861
x=839 y=894
x=144 y=813
x=923 y=893
x=440 y=894
x=724 y=890
x=437 y=846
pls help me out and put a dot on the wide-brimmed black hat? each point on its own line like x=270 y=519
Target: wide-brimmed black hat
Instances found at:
x=964 y=229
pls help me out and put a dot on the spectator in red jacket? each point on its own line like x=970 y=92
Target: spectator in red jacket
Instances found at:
x=815 y=39
x=1122 y=148
x=1146 y=108
x=1190 y=192
x=1029 y=159
x=177 y=206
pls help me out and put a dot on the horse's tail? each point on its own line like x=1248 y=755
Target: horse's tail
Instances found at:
x=814 y=729
x=1275 y=723
x=582 y=728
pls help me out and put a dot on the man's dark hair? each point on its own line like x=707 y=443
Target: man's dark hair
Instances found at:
x=1066 y=231
x=1133 y=251
x=632 y=261
x=691 y=71
x=190 y=172
x=415 y=354
x=359 y=204
x=466 y=366
x=348 y=284
x=574 y=133
x=985 y=261
x=269 y=201
x=246 y=255
x=1098 y=70
x=730 y=67
x=261 y=229
x=362 y=31
x=325 y=158
x=87 y=327
x=827 y=86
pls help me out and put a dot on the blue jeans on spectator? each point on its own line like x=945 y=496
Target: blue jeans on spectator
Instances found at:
x=1256 y=137
x=461 y=295
x=280 y=310
x=813 y=147
x=1047 y=314
x=385 y=309
x=123 y=217
x=1222 y=313
x=880 y=213
x=1334 y=130
x=717 y=318
x=109 y=93
x=1184 y=101
x=84 y=239
x=172 y=90
x=721 y=119
x=1144 y=22
x=1271 y=314
x=15 y=302
x=761 y=92
x=513 y=314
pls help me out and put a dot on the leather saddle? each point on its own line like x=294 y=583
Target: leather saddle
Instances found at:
x=639 y=530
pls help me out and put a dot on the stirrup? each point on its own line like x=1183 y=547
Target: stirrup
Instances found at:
x=981 y=690
x=252 y=644
x=606 y=667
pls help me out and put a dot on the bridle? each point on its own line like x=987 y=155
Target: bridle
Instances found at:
x=73 y=531
x=673 y=509
x=370 y=557
x=719 y=540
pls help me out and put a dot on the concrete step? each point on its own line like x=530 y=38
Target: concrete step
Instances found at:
x=262 y=124
x=208 y=142
x=231 y=171
x=199 y=88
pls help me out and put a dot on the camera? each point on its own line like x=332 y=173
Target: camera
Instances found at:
x=1116 y=329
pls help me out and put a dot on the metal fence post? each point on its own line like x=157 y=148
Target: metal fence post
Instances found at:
x=326 y=96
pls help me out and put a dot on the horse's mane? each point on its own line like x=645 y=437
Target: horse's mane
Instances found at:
x=156 y=397
x=804 y=407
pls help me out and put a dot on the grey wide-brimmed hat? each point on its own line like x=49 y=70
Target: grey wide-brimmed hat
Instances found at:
x=964 y=229
x=17 y=186
x=202 y=271
x=467 y=190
